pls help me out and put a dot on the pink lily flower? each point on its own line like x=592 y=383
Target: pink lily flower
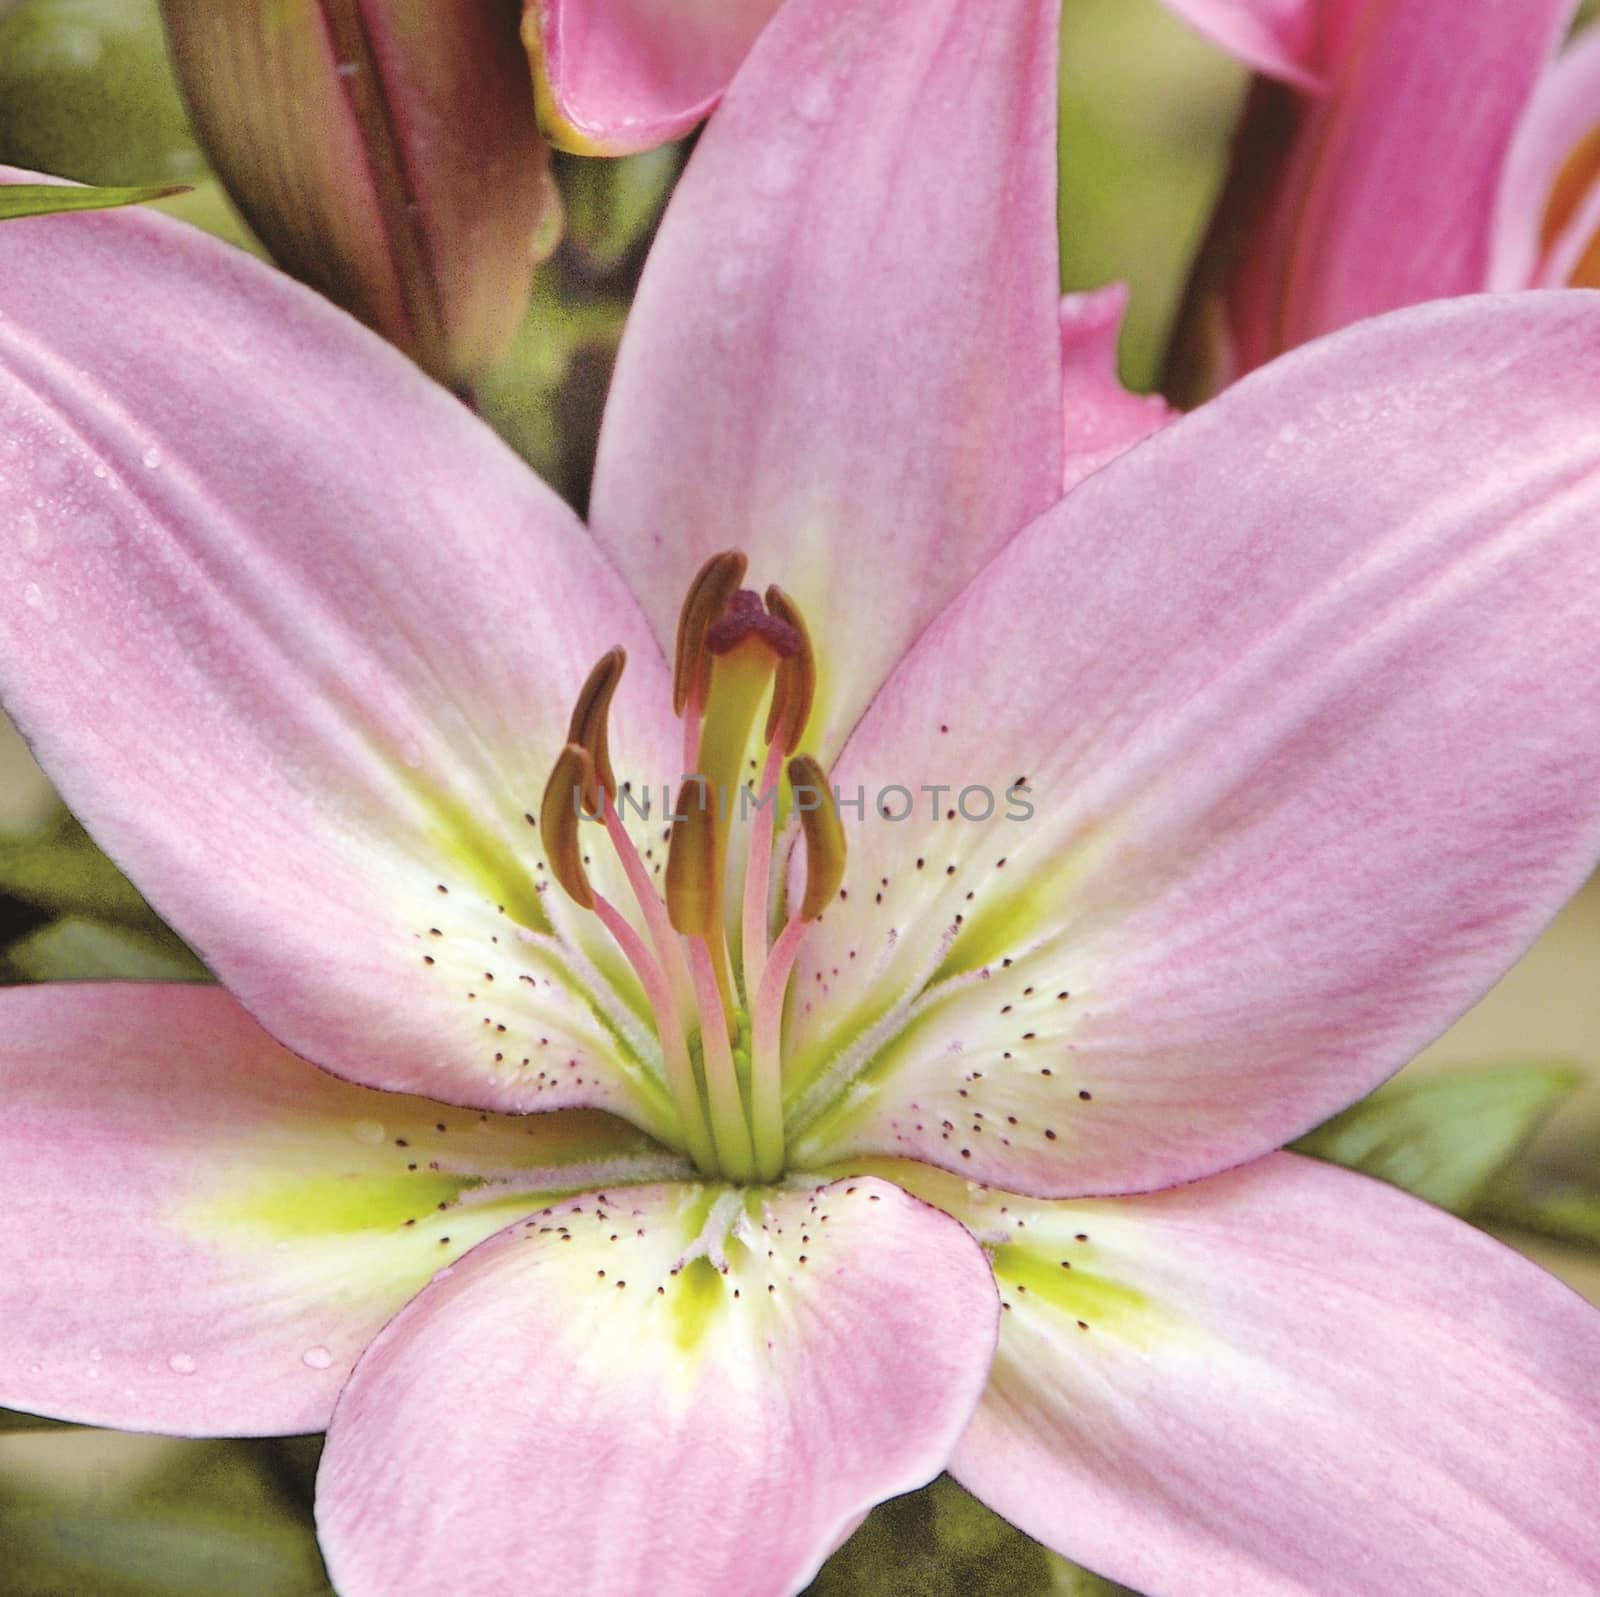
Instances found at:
x=1413 y=151
x=980 y=1173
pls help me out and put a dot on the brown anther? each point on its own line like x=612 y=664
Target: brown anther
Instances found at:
x=794 y=687
x=693 y=862
x=571 y=785
x=824 y=834
x=590 y=717
x=714 y=585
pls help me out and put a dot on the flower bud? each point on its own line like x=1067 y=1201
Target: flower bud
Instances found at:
x=385 y=152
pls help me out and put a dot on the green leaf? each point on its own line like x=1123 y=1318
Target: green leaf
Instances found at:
x=207 y=1518
x=86 y=91
x=1443 y=1136
x=134 y=1551
x=59 y=871
x=613 y=206
x=941 y=1542
x=46 y=199
x=1568 y=1214
x=83 y=950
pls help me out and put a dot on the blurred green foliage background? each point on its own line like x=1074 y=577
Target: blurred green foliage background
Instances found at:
x=1146 y=111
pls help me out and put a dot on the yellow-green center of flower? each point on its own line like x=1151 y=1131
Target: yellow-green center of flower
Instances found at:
x=717 y=1002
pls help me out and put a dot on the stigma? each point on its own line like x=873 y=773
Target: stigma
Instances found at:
x=714 y=956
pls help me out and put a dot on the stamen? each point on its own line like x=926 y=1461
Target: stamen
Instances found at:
x=824 y=834
x=572 y=784
x=675 y=1059
x=694 y=900
x=737 y=655
x=794 y=689
x=715 y=583
x=695 y=860
x=728 y=1125
x=590 y=715
x=669 y=951
x=825 y=862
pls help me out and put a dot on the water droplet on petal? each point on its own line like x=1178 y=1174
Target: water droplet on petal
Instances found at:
x=33 y=596
x=815 y=101
x=369 y=1132
x=316 y=1358
x=778 y=170
x=182 y=1364
x=152 y=457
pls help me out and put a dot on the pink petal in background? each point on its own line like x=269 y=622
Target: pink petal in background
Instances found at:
x=616 y=76
x=842 y=355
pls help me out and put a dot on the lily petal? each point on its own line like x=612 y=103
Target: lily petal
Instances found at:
x=1277 y=37
x=1312 y=755
x=627 y=75
x=1288 y=1380
x=297 y=638
x=1551 y=173
x=1375 y=194
x=1101 y=417
x=844 y=338
x=701 y=1390
x=202 y=1232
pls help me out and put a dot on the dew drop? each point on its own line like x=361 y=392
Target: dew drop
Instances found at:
x=815 y=101
x=316 y=1358
x=181 y=1364
x=33 y=596
x=370 y=1132
x=152 y=457
x=778 y=171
